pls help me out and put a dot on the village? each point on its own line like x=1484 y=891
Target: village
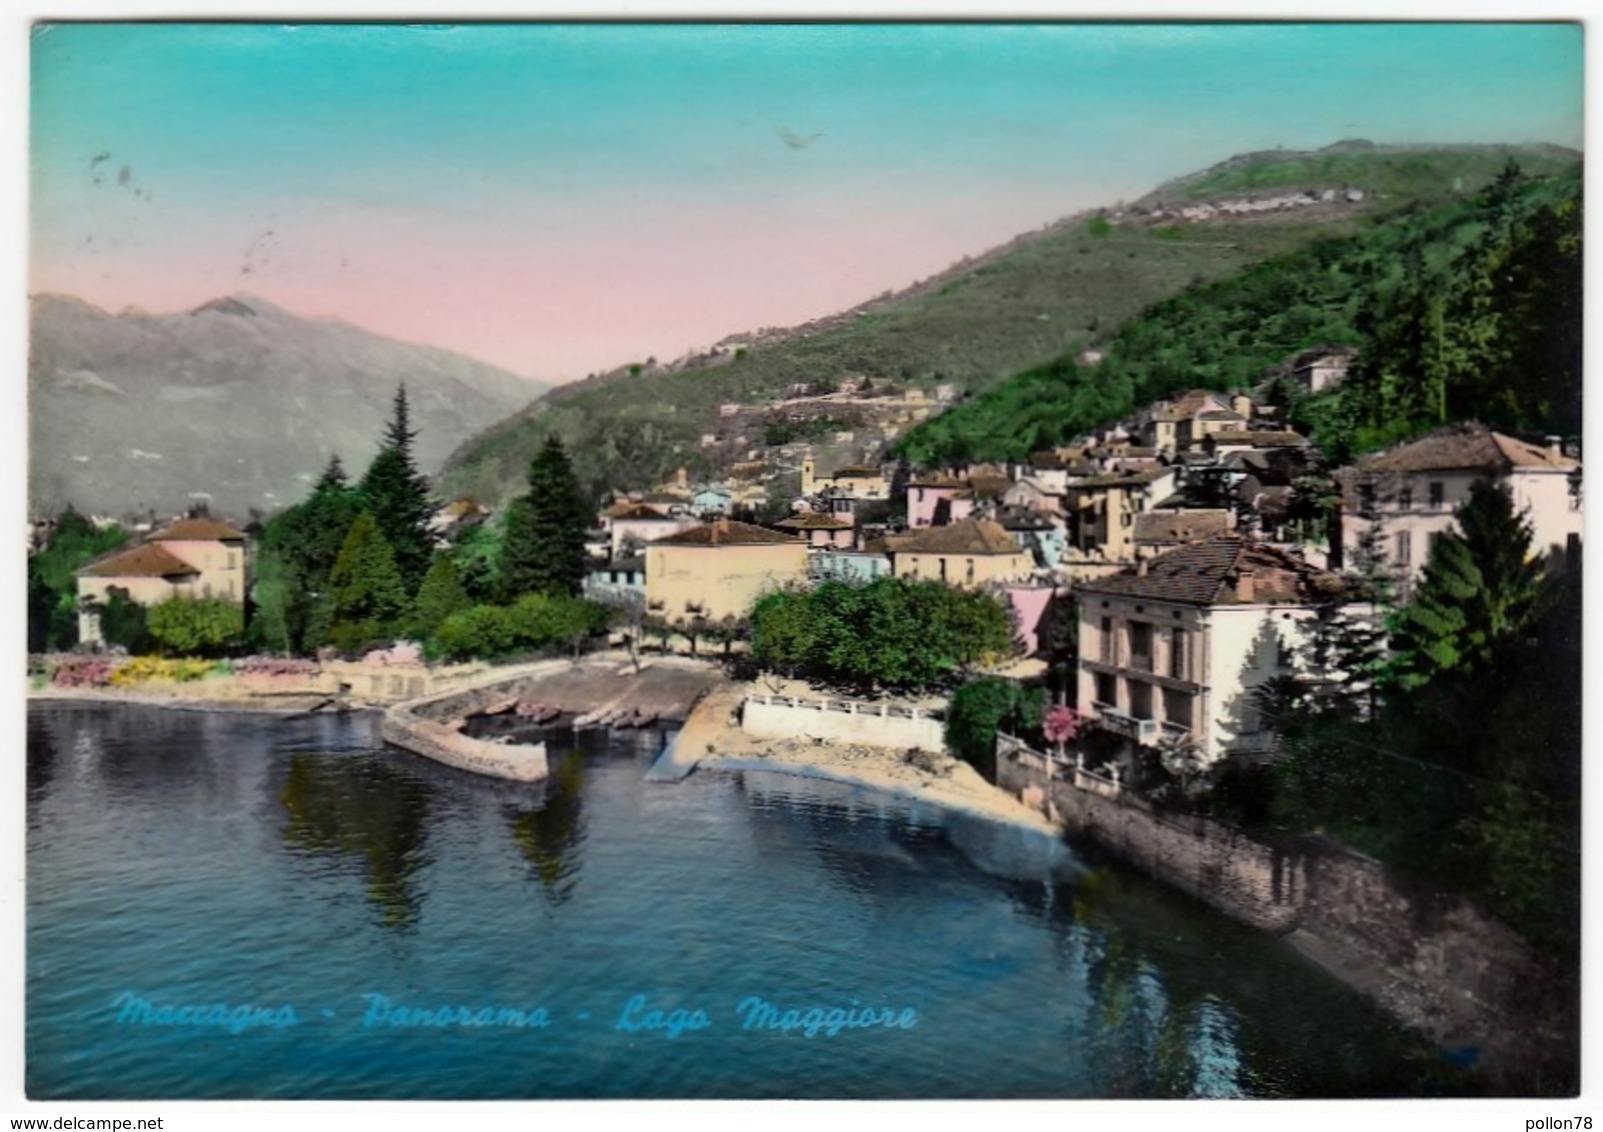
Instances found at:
x=1156 y=574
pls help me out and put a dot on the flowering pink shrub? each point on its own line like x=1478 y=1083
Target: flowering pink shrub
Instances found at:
x=83 y=672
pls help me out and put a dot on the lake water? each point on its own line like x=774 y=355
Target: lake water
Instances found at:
x=230 y=906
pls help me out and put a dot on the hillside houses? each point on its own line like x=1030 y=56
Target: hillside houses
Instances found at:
x=1396 y=503
x=193 y=558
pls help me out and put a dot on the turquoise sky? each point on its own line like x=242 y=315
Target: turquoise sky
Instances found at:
x=558 y=199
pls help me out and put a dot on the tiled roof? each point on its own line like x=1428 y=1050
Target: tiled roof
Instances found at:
x=728 y=532
x=1189 y=405
x=1211 y=572
x=1259 y=439
x=860 y=471
x=148 y=560
x=1180 y=526
x=986 y=485
x=1464 y=447
x=1135 y=477
x=198 y=530
x=967 y=536
x=814 y=521
x=637 y=511
x=1023 y=519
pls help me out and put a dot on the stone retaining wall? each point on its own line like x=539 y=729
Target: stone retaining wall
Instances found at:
x=424 y=728
x=1433 y=960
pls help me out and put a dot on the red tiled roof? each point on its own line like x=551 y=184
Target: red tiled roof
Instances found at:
x=967 y=536
x=1259 y=439
x=198 y=530
x=728 y=532
x=148 y=560
x=1464 y=447
x=637 y=512
x=814 y=521
x=1211 y=572
x=1180 y=526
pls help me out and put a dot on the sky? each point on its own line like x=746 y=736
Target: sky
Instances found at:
x=560 y=199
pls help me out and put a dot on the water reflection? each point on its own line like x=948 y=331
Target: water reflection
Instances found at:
x=364 y=811
x=549 y=837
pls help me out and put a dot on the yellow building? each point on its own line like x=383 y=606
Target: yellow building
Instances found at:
x=719 y=570
x=967 y=553
x=190 y=558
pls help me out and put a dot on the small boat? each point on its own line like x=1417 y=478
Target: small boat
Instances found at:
x=644 y=719
x=537 y=712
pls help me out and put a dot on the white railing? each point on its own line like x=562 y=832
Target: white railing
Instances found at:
x=849 y=707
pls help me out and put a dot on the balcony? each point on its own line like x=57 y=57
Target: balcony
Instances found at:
x=1110 y=718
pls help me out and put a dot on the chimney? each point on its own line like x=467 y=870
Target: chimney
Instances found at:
x=1555 y=446
x=1141 y=568
x=1245 y=584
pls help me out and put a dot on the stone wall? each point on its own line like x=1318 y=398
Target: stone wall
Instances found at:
x=1433 y=960
x=425 y=727
x=846 y=721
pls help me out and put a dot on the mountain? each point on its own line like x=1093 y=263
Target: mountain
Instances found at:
x=237 y=400
x=1047 y=294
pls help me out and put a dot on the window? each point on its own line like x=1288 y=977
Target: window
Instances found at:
x=1177 y=654
x=942 y=562
x=970 y=570
x=1140 y=700
x=1177 y=708
x=1405 y=548
x=1405 y=499
x=1438 y=495
x=1141 y=646
x=1366 y=498
x=1107 y=689
x=231 y=561
x=1107 y=640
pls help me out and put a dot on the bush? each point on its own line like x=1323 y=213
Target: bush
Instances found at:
x=140 y=669
x=83 y=672
x=534 y=621
x=196 y=626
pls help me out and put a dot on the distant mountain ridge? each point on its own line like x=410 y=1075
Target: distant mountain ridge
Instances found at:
x=1066 y=287
x=237 y=400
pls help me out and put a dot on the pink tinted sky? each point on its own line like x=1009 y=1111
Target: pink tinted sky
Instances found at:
x=561 y=199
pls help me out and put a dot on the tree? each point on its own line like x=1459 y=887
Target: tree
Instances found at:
x=544 y=547
x=893 y=633
x=440 y=596
x=1481 y=591
x=196 y=626
x=367 y=596
x=123 y=622
x=397 y=496
x=294 y=557
x=981 y=707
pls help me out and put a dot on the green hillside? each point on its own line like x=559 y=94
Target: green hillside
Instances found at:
x=1449 y=306
x=1046 y=296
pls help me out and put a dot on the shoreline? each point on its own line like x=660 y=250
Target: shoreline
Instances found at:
x=253 y=706
x=713 y=739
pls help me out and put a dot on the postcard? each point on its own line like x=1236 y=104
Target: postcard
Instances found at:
x=803 y=561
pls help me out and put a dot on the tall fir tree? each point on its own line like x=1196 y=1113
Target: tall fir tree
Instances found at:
x=397 y=495
x=544 y=547
x=1481 y=592
x=367 y=598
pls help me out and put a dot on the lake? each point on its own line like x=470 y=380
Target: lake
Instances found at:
x=245 y=906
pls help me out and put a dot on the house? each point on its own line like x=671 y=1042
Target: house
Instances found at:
x=1044 y=539
x=195 y=557
x=1102 y=511
x=943 y=497
x=1401 y=500
x=870 y=561
x=1322 y=367
x=711 y=501
x=1171 y=427
x=821 y=530
x=1173 y=651
x=719 y=570
x=968 y=553
x=610 y=581
x=854 y=482
x=630 y=525
x=1159 y=531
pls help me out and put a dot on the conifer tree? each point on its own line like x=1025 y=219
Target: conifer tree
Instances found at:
x=1482 y=590
x=397 y=495
x=441 y=595
x=544 y=547
x=367 y=597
